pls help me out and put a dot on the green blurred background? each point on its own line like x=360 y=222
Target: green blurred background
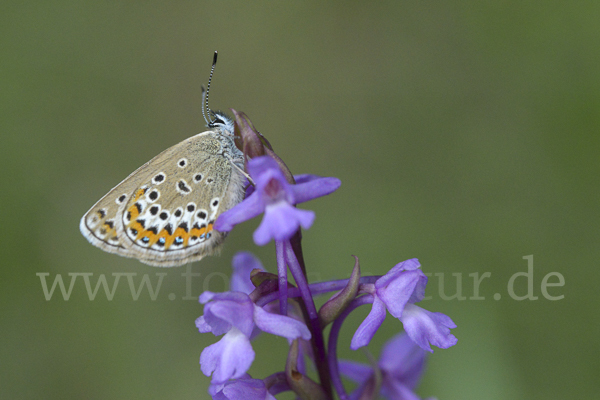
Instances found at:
x=466 y=134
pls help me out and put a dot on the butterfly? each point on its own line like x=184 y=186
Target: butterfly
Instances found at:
x=163 y=213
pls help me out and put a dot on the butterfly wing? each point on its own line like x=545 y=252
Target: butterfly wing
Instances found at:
x=163 y=213
x=99 y=224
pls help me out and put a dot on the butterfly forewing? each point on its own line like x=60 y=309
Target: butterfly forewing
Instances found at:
x=163 y=213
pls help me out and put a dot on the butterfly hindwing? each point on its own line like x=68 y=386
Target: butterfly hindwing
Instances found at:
x=163 y=213
x=99 y=224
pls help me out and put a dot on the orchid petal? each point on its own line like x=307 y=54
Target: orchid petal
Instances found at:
x=397 y=293
x=247 y=209
x=243 y=264
x=280 y=325
x=244 y=389
x=315 y=188
x=369 y=326
x=229 y=358
x=280 y=222
x=425 y=327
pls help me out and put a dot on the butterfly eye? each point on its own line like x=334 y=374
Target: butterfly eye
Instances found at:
x=219 y=120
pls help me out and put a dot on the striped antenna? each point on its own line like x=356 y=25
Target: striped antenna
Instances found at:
x=208 y=121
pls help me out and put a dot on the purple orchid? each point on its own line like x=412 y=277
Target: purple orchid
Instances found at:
x=278 y=307
x=276 y=198
x=401 y=365
x=215 y=388
x=235 y=315
x=243 y=389
x=396 y=291
x=243 y=263
x=426 y=327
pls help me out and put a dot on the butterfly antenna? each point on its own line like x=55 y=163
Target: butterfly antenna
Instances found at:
x=205 y=94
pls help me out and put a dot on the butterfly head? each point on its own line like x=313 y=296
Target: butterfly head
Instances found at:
x=220 y=120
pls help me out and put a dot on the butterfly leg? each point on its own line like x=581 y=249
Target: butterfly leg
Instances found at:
x=241 y=170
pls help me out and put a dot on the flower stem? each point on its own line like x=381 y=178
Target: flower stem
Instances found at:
x=315 y=288
x=318 y=343
x=332 y=345
x=283 y=279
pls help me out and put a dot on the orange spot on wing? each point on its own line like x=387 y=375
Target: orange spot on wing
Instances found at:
x=150 y=235
x=138 y=227
x=198 y=231
x=184 y=235
x=168 y=238
x=133 y=210
x=108 y=227
x=139 y=193
x=201 y=232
